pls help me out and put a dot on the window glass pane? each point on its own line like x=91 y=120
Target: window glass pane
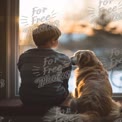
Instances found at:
x=77 y=20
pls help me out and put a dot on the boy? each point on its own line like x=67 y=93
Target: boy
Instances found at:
x=44 y=72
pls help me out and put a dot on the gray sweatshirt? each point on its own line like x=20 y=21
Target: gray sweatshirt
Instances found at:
x=44 y=76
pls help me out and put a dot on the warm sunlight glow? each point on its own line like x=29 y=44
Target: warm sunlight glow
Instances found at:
x=62 y=14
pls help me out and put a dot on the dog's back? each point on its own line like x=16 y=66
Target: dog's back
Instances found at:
x=93 y=91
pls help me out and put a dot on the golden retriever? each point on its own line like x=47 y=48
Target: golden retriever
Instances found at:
x=93 y=91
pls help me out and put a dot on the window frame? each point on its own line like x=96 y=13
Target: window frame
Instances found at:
x=12 y=34
x=13 y=50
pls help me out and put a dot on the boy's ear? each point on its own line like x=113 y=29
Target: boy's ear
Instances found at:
x=54 y=43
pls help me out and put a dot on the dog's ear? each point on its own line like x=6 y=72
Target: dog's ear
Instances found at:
x=74 y=106
x=80 y=56
x=82 y=59
x=87 y=58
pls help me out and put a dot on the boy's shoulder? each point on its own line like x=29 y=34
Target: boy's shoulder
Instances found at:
x=62 y=55
x=44 y=52
x=28 y=52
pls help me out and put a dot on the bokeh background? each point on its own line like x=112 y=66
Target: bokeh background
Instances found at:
x=85 y=24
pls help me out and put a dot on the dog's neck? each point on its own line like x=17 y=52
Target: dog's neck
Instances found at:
x=90 y=73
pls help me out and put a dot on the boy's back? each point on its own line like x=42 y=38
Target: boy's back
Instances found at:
x=44 y=74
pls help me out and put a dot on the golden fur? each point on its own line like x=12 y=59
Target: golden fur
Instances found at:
x=93 y=93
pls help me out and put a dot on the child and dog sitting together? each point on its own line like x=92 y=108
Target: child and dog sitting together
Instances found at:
x=45 y=73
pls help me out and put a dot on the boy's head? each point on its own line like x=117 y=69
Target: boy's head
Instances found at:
x=46 y=35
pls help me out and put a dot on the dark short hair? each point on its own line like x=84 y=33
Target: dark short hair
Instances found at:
x=44 y=33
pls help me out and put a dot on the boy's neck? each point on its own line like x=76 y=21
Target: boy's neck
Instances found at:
x=45 y=46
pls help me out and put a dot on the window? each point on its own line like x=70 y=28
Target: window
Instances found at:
x=77 y=27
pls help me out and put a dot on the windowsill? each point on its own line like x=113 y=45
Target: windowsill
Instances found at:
x=14 y=107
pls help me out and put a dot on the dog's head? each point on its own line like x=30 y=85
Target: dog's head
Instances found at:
x=84 y=58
